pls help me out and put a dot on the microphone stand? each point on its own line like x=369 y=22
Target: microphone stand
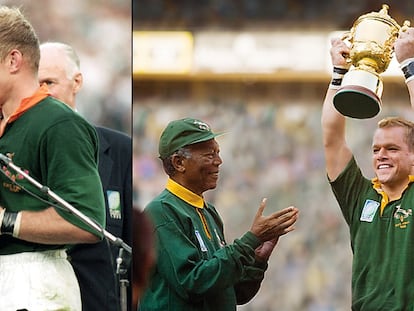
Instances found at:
x=125 y=251
x=122 y=262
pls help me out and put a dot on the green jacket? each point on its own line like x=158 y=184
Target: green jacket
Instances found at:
x=382 y=240
x=196 y=269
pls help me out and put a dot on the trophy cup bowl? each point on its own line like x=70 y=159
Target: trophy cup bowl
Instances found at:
x=371 y=37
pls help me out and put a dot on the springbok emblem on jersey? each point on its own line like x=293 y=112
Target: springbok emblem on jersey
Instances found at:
x=402 y=215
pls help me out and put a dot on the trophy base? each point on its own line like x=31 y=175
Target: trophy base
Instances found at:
x=357 y=102
x=359 y=96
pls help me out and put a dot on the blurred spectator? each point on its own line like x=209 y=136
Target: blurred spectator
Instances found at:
x=143 y=257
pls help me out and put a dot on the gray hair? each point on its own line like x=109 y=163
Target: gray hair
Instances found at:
x=167 y=162
x=73 y=62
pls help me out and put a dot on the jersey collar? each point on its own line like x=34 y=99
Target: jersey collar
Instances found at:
x=185 y=194
x=377 y=187
x=26 y=103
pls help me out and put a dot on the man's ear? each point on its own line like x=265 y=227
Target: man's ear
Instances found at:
x=178 y=162
x=411 y=160
x=14 y=60
x=77 y=82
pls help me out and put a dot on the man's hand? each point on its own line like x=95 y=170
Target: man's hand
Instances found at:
x=271 y=227
x=404 y=45
x=264 y=251
x=339 y=53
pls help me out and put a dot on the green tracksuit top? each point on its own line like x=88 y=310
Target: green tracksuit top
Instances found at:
x=57 y=148
x=382 y=241
x=196 y=269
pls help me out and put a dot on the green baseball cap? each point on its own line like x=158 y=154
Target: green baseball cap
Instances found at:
x=181 y=133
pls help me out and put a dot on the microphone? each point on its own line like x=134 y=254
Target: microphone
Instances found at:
x=4 y=159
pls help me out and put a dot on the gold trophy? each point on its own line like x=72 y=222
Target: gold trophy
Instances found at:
x=372 y=38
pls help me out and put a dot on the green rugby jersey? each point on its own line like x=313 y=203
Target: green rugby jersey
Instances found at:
x=59 y=149
x=382 y=242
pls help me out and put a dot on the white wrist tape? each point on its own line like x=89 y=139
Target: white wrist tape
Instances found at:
x=407 y=67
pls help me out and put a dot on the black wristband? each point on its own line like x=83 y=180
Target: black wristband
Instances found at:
x=339 y=70
x=337 y=75
x=336 y=82
x=408 y=70
x=7 y=225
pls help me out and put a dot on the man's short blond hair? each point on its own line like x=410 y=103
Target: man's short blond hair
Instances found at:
x=16 y=32
x=400 y=122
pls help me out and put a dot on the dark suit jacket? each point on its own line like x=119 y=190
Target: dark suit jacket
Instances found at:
x=95 y=264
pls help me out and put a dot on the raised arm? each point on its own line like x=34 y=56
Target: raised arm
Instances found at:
x=337 y=153
x=404 y=52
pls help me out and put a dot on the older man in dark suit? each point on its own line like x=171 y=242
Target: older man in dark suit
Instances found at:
x=95 y=265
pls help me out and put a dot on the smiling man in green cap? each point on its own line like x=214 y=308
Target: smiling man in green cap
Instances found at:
x=196 y=269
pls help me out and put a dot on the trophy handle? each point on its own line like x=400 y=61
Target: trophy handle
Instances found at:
x=405 y=26
x=347 y=36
